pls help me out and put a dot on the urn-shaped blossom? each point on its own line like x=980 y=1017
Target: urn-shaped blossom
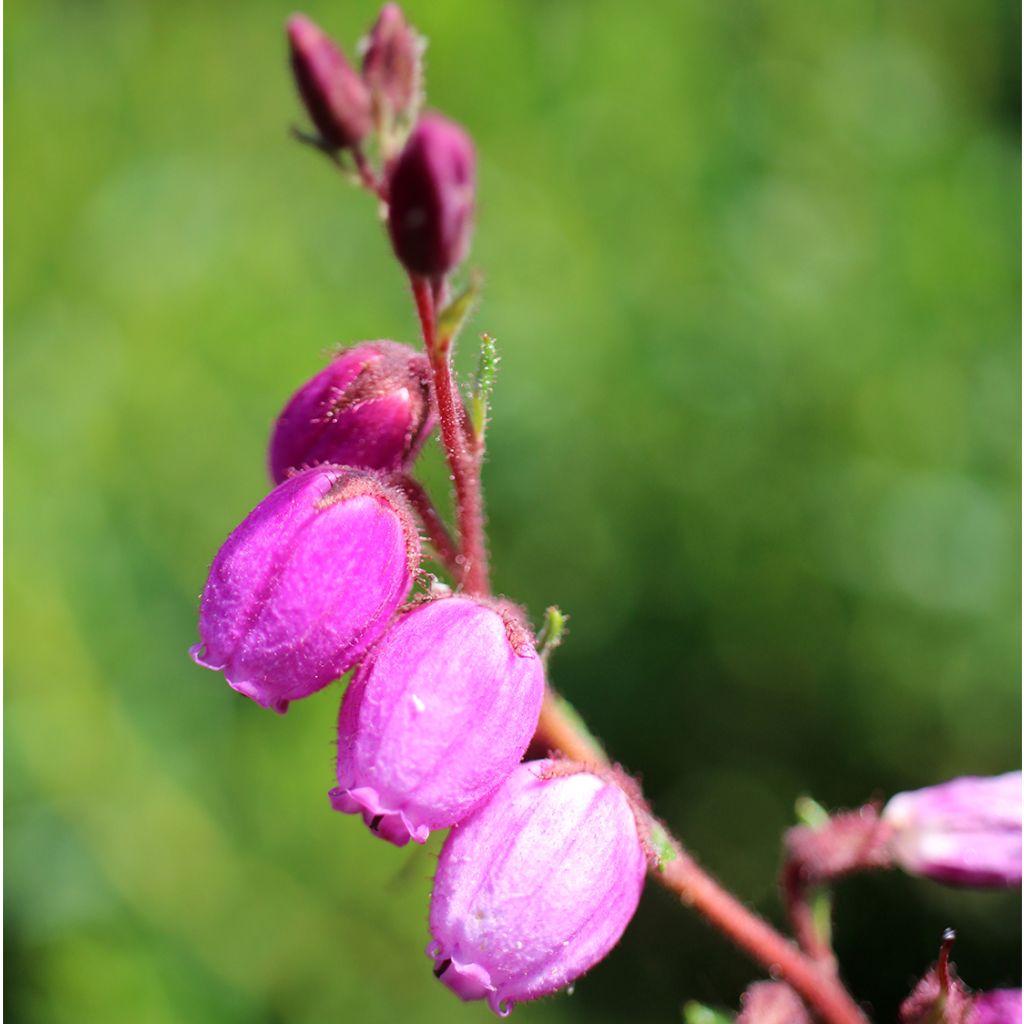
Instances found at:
x=964 y=832
x=535 y=887
x=335 y=97
x=1000 y=1006
x=392 y=61
x=305 y=584
x=431 y=192
x=436 y=717
x=369 y=408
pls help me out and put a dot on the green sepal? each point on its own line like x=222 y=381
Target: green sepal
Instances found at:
x=661 y=846
x=551 y=632
x=453 y=317
x=698 y=1013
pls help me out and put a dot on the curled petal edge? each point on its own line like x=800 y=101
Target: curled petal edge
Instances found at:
x=389 y=824
x=467 y=981
x=243 y=686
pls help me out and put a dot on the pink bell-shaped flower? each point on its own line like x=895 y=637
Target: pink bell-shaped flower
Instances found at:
x=369 y=408
x=964 y=832
x=306 y=583
x=535 y=887
x=436 y=717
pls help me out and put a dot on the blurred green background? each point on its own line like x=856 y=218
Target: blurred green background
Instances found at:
x=754 y=272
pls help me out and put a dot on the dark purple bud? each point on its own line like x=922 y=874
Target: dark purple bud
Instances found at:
x=1000 y=1006
x=392 y=65
x=335 y=96
x=369 y=409
x=964 y=832
x=306 y=583
x=431 y=193
x=436 y=717
x=772 y=1002
x=535 y=887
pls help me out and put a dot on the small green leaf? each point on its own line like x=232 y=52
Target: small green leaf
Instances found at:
x=821 y=914
x=551 y=633
x=453 y=317
x=809 y=812
x=698 y=1013
x=483 y=386
x=664 y=851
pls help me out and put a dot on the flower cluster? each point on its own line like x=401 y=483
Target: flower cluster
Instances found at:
x=543 y=869
x=544 y=863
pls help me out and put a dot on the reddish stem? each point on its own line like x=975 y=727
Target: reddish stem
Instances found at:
x=463 y=462
x=683 y=876
x=796 y=892
x=820 y=989
x=441 y=540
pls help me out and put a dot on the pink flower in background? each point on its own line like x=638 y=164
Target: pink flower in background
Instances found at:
x=964 y=832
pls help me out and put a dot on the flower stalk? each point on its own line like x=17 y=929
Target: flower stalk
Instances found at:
x=464 y=462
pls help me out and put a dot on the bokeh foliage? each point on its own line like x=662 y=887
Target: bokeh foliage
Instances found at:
x=753 y=268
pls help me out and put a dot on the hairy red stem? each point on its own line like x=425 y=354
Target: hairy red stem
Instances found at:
x=682 y=875
x=440 y=538
x=463 y=462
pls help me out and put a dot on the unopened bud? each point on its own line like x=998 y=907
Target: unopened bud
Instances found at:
x=964 y=832
x=431 y=193
x=335 y=96
x=535 y=887
x=307 y=582
x=370 y=409
x=392 y=64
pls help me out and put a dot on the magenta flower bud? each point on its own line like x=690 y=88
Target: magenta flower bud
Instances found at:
x=965 y=832
x=436 y=717
x=431 y=194
x=305 y=584
x=335 y=96
x=392 y=65
x=1000 y=1006
x=370 y=409
x=535 y=887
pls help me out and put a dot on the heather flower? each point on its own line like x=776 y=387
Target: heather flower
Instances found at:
x=335 y=97
x=431 y=193
x=305 y=584
x=535 y=887
x=436 y=717
x=392 y=61
x=964 y=832
x=370 y=409
x=1000 y=1006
